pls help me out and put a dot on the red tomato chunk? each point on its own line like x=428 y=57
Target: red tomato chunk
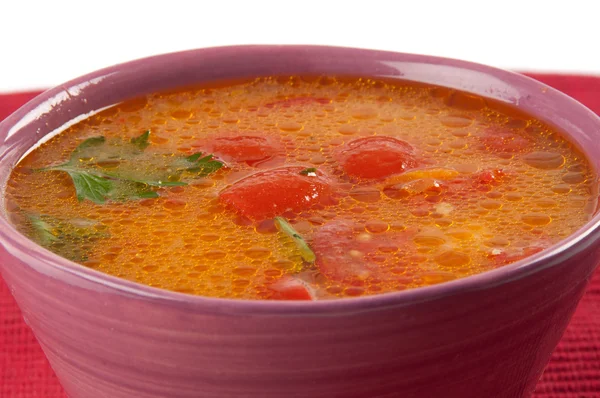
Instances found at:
x=377 y=157
x=491 y=176
x=276 y=191
x=346 y=252
x=249 y=149
x=290 y=288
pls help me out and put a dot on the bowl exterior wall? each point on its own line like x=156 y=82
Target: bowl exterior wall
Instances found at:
x=489 y=343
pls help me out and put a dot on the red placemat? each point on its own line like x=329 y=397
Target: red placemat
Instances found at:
x=574 y=371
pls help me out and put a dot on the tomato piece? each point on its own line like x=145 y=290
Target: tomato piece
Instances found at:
x=345 y=252
x=498 y=140
x=376 y=157
x=490 y=176
x=272 y=192
x=291 y=288
x=486 y=180
x=504 y=258
x=249 y=149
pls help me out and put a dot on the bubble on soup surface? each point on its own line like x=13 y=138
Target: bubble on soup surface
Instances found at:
x=175 y=204
x=429 y=238
x=364 y=112
x=546 y=203
x=456 y=121
x=452 y=259
x=210 y=237
x=465 y=101
x=544 y=160
x=536 y=219
x=215 y=254
x=257 y=252
x=433 y=278
x=497 y=242
x=348 y=129
x=491 y=204
x=460 y=234
x=181 y=114
x=574 y=178
x=365 y=194
x=354 y=291
x=290 y=126
x=443 y=222
x=513 y=196
x=376 y=226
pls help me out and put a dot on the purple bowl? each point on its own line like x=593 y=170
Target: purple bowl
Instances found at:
x=488 y=335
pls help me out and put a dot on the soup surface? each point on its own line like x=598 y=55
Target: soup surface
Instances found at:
x=302 y=188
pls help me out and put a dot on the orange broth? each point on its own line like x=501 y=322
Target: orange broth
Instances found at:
x=391 y=186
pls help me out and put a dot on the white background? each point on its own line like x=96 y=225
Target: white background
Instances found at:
x=44 y=43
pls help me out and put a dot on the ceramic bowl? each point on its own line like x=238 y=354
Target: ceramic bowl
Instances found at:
x=488 y=335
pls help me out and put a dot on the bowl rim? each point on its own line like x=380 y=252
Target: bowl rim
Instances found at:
x=511 y=272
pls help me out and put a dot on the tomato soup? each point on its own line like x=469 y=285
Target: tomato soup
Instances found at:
x=302 y=188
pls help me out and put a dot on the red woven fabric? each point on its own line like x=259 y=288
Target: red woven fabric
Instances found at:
x=574 y=371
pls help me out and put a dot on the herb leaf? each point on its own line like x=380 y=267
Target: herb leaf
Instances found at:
x=45 y=233
x=130 y=190
x=166 y=183
x=309 y=171
x=65 y=237
x=82 y=149
x=90 y=143
x=202 y=165
x=305 y=251
x=141 y=141
x=194 y=157
x=148 y=195
x=121 y=170
x=90 y=186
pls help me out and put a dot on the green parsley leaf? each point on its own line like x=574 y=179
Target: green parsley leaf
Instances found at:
x=141 y=141
x=305 y=251
x=308 y=171
x=120 y=169
x=45 y=233
x=83 y=148
x=90 y=143
x=167 y=183
x=201 y=165
x=88 y=184
x=148 y=195
x=130 y=190
x=65 y=237
x=194 y=157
